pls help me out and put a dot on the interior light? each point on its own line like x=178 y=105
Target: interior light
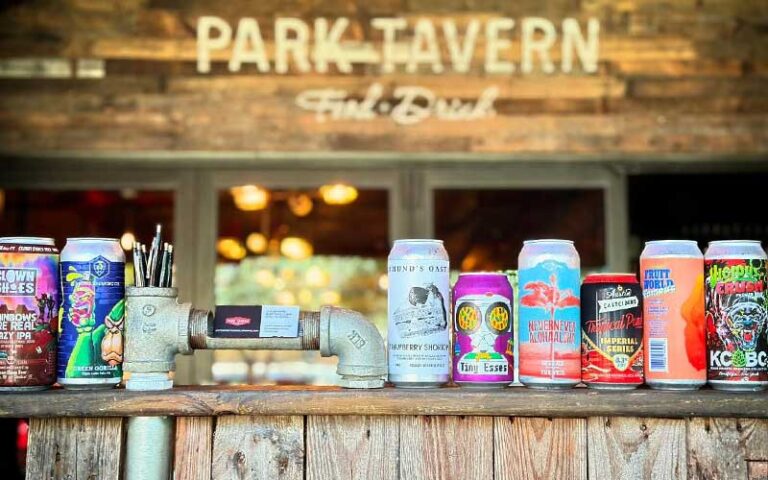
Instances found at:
x=127 y=241
x=300 y=204
x=338 y=194
x=316 y=277
x=256 y=242
x=330 y=297
x=231 y=248
x=296 y=248
x=250 y=198
x=383 y=281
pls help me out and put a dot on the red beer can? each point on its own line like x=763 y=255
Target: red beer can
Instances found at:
x=611 y=331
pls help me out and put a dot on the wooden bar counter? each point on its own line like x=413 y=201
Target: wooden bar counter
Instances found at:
x=330 y=433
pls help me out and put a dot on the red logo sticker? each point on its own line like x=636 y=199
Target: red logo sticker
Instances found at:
x=237 y=321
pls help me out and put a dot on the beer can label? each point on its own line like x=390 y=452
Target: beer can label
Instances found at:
x=484 y=349
x=737 y=319
x=550 y=324
x=673 y=310
x=418 y=335
x=612 y=333
x=92 y=313
x=29 y=309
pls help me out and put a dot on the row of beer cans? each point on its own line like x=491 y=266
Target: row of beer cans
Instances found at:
x=690 y=319
x=61 y=316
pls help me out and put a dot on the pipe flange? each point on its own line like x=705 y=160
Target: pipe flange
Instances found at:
x=361 y=382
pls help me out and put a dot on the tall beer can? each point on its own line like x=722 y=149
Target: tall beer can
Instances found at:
x=92 y=312
x=737 y=315
x=549 y=316
x=29 y=312
x=672 y=273
x=418 y=336
x=483 y=341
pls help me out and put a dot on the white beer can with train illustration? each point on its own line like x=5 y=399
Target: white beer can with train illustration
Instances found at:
x=418 y=314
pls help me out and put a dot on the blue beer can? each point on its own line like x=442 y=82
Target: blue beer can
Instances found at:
x=92 y=313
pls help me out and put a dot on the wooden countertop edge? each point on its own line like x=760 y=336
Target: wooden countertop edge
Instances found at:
x=515 y=401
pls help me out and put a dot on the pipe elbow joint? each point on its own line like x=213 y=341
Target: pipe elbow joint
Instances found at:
x=348 y=335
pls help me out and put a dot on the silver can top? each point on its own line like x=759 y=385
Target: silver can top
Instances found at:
x=672 y=248
x=735 y=249
x=28 y=241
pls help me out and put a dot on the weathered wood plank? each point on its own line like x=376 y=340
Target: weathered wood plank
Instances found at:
x=539 y=448
x=636 y=448
x=446 y=447
x=258 y=448
x=307 y=400
x=193 y=448
x=726 y=448
x=347 y=448
x=70 y=448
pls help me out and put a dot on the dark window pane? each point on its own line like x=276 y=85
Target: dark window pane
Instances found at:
x=485 y=229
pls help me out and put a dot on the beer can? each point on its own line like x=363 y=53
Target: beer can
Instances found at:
x=549 y=323
x=737 y=315
x=483 y=345
x=418 y=336
x=29 y=310
x=92 y=313
x=672 y=272
x=611 y=331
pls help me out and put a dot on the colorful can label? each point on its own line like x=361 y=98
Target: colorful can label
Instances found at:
x=550 y=325
x=673 y=311
x=737 y=319
x=483 y=351
x=418 y=335
x=611 y=331
x=92 y=312
x=29 y=307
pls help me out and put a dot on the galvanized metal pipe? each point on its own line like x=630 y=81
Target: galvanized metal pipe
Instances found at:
x=148 y=450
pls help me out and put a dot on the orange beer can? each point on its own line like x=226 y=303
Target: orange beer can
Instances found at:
x=674 y=341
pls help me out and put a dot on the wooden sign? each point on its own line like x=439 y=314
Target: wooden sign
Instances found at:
x=413 y=48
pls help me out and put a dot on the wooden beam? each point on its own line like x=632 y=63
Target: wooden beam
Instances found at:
x=254 y=400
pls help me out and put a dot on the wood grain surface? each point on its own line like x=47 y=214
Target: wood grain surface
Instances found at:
x=193 y=448
x=726 y=448
x=74 y=448
x=672 y=77
x=640 y=448
x=269 y=448
x=540 y=448
x=446 y=448
x=304 y=400
x=353 y=448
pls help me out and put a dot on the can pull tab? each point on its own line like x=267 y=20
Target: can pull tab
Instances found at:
x=256 y=321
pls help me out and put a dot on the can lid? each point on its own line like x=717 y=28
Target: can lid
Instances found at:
x=28 y=240
x=483 y=274
x=418 y=240
x=92 y=239
x=611 y=278
x=677 y=242
x=735 y=242
x=547 y=240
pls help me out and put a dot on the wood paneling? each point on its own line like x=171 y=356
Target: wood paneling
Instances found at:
x=268 y=448
x=193 y=448
x=67 y=448
x=540 y=448
x=727 y=448
x=352 y=448
x=673 y=77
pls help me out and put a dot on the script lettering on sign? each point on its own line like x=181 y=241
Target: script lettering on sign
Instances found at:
x=421 y=45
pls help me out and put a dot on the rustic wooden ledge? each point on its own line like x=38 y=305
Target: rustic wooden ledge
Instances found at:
x=253 y=400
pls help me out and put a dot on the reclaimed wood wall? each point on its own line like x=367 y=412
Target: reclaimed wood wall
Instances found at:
x=674 y=76
x=417 y=447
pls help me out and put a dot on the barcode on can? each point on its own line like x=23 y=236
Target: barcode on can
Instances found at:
x=657 y=354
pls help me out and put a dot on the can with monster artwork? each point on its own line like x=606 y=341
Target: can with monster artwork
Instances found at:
x=483 y=345
x=418 y=336
x=29 y=308
x=737 y=315
x=92 y=312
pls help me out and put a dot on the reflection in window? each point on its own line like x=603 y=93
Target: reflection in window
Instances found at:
x=484 y=230
x=299 y=247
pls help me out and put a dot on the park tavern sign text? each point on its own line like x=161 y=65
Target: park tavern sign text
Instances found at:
x=420 y=46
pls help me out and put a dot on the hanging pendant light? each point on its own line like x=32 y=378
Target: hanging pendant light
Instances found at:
x=338 y=194
x=250 y=198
